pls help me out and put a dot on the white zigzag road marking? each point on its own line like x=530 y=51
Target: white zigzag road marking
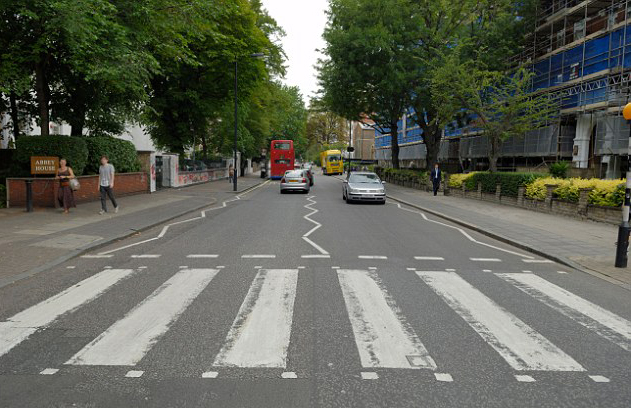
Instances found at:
x=203 y=215
x=317 y=225
x=463 y=232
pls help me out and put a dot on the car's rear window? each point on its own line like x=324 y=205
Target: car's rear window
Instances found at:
x=293 y=173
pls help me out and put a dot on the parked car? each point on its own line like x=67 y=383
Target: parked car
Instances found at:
x=295 y=180
x=363 y=186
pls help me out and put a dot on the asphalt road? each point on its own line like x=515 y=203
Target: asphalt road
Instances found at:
x=298 y=300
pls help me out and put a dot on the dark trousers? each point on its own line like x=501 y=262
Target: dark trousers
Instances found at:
x=436 y=185
x=110 y=194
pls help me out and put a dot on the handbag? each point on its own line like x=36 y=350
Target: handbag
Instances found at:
x=74 y=184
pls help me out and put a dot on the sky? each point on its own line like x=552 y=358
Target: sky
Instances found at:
x=303 y=21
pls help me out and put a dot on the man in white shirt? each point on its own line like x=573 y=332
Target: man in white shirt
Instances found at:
x=106 y=184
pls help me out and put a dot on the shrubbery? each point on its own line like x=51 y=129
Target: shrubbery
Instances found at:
x=121 y=154
x=509 y=182
x=73 y=149
x=608 y=193
x=456 y=180
x=409 y=174
x=559 y=169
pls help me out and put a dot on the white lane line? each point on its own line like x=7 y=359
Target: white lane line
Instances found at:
x=335 y=267
x=601 y=321
x=372 y=268
x=301 y=267
x=259 y=336
x=288 y=374
x=134 y=374
x=107 y=267
x=524 y=378
x=537 y=260
x=70 y=267
x=166 y=227
x=96 y=256
x=142 y=267
x=49 y=371
x=520 y=345
x=562 y=272
x=486 y=270
x=202 y=256
x=316 y=246
x=20 y=326
x=429 y=258
x=383 y=337
x=411 y=269
x=450 y=270
x=307 y=217
x=128 y=340
x=183 y=267
x=146 y=256
x=316 y=256
x=463 y=232
x=599 y=378
x=221 y=267
x=527 y=271
x=485 y=259
x=372 y=257
x=369 y=375
x=260 y=256
x=210 y=374
x=258 y=267
x=444 y=377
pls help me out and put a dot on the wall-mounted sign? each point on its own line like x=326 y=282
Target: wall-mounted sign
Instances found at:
x=44 y=165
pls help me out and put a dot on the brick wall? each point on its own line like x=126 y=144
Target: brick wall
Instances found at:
x=45 y=189
x=604 y=214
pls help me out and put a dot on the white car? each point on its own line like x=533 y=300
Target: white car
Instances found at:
x=364 y=186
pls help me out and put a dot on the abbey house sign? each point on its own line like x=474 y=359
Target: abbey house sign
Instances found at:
x=44 y=165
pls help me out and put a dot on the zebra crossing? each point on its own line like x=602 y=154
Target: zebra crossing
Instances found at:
x=261 y=332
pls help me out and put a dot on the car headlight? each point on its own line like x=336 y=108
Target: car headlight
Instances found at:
x=354 y=190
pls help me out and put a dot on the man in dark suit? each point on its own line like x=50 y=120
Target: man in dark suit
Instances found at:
x=435 y=176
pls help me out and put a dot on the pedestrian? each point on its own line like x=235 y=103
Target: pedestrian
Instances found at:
x=435 y=175
x=231 y=173
x=65 y=195
x=106 y=184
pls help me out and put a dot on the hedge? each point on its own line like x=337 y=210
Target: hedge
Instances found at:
x=456 y=180
x=409 y=174
x=509 y=182
x=609 y=193
x=73 y=149
x=121 y=154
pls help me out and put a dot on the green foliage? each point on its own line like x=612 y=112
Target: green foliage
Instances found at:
x=73 y=149
x=559 y=169
x=608 y=196
x=121 y=153
x=420 y=176
x=509 y=182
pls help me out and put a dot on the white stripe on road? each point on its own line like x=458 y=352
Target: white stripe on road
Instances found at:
x=520 y=345
x=524 y=378
x=369 y=375
x=49 y=371
x=202 y=256
x=315 y=256
x=372 y=257
x=316 y=246
x=134 y=374
x=602 y=322
x=599 y=378
x=485 y=259
x=288 y=374
x=537 y=260
x=259 y=336
x=146 y=256
x=443 y=377
x=383 y=337
x=210 y=374
x=96 y=256
x=429 y=258
x=258 y=256
x=19 y=327
x=128 y=340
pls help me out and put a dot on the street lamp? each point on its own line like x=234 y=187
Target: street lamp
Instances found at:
x=236 y=102
x=624 y=229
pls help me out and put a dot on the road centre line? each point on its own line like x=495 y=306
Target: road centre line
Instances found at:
x=134 y=374
x=288 y=374
x=524 y=378
x=20 y=326
x=372 y=257
x=315 y=256
x=463 y=232
x=369 y=375
x=429 y=258
x=202 y=256
x=599 y=378
x=146 y=256
x=485 y=259
x=537 y=260
x=316 y=246
x=307 y=217
x=96 y=256
x=258 y=256
x=49 y=371
x=210 y=374
x=443 y=377
x=203 y=215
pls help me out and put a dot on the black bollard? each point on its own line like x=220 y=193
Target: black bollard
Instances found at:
x=29 y=195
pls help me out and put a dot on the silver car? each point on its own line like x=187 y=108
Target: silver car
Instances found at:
x=364 y=186
x=295 y=180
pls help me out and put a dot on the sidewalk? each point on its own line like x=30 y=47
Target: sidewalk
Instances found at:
x=33 y=242
x=585 y=245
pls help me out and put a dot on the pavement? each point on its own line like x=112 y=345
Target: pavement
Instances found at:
x=33 y=242
x=301 y=300
x=582 y=244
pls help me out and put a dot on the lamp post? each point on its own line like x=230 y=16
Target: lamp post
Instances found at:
x=624 y=229
x=236 y=111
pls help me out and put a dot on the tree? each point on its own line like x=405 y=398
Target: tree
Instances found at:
x=326 y=127
x=503 y=104
x=370 y=47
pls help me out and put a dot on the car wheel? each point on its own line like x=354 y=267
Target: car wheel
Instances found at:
x=343 y=196
x=348 y=201
x=382 y=202
x=282 y=191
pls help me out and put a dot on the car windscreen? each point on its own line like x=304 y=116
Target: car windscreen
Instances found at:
x=364 y=178
x=294 y=173
x=334 y=158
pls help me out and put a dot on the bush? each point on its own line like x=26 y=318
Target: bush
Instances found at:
x=121 y=153
x=536 y=189
x=456 y=180
x=73 y=149
x=608 y=193
x=559 y=169
x=509 y=182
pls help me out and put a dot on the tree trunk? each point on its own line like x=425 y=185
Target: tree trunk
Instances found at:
x=41 y=88
x=494 y=152
x=432 y=137
x=204 y=147
x=15 y=116
x=394 y=144
x=78 y=123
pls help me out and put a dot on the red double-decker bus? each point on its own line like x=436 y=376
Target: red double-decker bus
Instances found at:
x=281 y=158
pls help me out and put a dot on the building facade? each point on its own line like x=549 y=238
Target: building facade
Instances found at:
x=578 y=53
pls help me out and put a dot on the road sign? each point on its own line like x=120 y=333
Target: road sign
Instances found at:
x=44 y=165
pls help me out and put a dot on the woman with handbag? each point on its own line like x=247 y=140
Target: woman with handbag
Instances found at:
x=65 y=194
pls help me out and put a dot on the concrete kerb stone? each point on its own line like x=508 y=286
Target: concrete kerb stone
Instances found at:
x=104 y=242
x=518 y=244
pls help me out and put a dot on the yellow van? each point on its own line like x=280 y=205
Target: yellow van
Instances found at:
x=331 y=162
